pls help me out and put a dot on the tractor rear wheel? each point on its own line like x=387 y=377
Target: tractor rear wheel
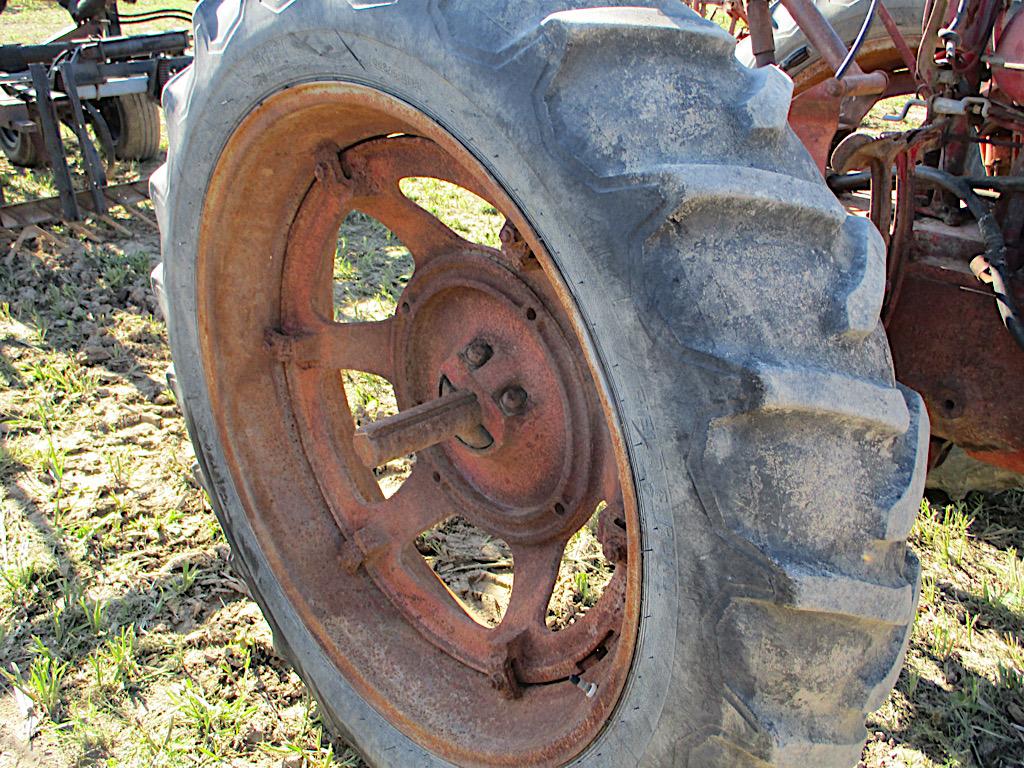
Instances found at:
x=680 y=329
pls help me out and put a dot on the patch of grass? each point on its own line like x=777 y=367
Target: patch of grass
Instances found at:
x=43 y=683
x=467 y=215
x=33 y=21
x=121 y=650
x=216 y=721
x=959 y=700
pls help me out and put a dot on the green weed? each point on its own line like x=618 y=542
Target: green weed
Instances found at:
x=43 y=684
x=216 y=722
x=94 y=612
x=122 y=652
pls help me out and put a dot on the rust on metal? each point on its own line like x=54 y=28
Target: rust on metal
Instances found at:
x=495 y=326
x=417 y=428
x=961 y=359
x=814 y=117
x=473 y=346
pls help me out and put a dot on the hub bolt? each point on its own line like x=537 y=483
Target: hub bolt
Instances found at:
x=586 y=686
x=513 y=400
x=478 y=353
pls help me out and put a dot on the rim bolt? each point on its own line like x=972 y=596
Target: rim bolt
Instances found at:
x=478 y=353
x=513 y=400
x=588 y=688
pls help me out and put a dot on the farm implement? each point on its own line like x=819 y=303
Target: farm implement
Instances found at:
x=104 y=88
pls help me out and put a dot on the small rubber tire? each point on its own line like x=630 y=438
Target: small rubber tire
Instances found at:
x=733 y=308
x=21 y=148
x=134 y=123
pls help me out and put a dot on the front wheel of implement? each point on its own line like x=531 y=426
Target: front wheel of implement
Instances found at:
x=672 y=350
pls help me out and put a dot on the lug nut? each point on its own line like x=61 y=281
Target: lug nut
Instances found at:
x=512 y=400
x=478 y=353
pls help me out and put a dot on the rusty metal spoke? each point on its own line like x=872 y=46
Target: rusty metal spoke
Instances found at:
x=307 y=283
x=327 y=439
x=382 y=163
x=556 y=655
x=376 y=169
x=339 y=346
x=385 y=546
x=536 y=570
x=415 y=507
x=436 y=612
x=425 y=235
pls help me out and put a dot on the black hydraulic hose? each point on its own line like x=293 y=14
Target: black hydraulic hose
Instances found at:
x=154 y=12
x=848 y=182
x=996 y=183
x=143 y=18
x=860 y=180
x=995 y=246
x=859 y=41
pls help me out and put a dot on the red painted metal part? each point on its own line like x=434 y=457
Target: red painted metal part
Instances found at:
x=814 y=117
x=948 y=344
x=900 y=43
x=1010 y=49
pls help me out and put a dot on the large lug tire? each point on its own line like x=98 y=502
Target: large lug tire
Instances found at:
x=21 y=148
x=134 y=124
x=798 y=58
x=731 y=311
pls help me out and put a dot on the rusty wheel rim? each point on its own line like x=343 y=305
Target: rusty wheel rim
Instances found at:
x=498 y=399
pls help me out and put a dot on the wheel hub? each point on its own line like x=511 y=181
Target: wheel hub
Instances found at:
x=469 y=323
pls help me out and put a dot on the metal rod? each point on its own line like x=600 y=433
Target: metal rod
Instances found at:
x=762 y=38
x=820 y=33
x=897 y=37
x=417 y=428
x=93 y=167
x=51 y=139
